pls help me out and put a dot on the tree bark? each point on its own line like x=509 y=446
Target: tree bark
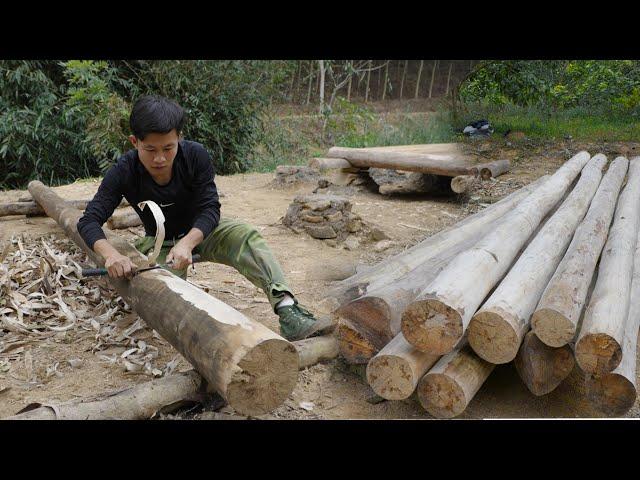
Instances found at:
x=556 y=318
x=437 y=319
x=396 y=370
x=494 y=169
x=250 y=366
x=599 y=344
x=321 y=65
x=497 y=329
x=541 y=367
x=463 y=183
x=358 y=345
x=391 y=269
x=446 y=390
x=438 y=164
x=311 y=70
x=449 y=77
x=366 y=94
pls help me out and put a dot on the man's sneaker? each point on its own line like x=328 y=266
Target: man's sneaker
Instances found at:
x=297 y=323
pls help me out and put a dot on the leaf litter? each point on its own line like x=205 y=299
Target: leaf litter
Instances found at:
x=43 y=298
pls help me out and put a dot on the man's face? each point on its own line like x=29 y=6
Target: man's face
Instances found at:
x=157 y=152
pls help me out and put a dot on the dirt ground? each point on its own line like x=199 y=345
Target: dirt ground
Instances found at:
x=334 y=390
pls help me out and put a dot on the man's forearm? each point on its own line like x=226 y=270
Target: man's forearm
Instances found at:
x=103 y=248
x=192 y=239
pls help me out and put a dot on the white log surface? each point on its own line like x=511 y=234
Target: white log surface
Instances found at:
x=497 y=329
x=599 y=344
x=556 y=317
x=437 y=320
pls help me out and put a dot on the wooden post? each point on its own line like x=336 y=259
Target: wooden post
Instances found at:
x=391 y=269
x=494 y=169
x=126 y=219
x=615 y=393
x=437 y=319
x=497 y=329
x=250 y=366
x=395 y=371
x=556 y=317
x=541 y=367
x=446 y=390
x=446 y=164
x=599 y=344
x=329 y=163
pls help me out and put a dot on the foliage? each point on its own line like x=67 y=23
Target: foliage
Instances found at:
x=96 y=111
x=556 y=84
x=34 y=135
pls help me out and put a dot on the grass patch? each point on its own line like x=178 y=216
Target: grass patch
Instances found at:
x=579 y=123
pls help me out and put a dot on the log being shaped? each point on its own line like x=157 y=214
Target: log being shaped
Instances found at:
x=251 y=367
x=396 y=370
x=497 y=329
x=615 y=393
x=556 y=317
x=599 y=344
x=437 y=319
x=446 y=390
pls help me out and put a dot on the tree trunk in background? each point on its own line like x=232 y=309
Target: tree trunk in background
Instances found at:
x=404 y=75
x=386 y=78
x=433 y=76
x=366 y=95
x=449 y=77
x=418 y=82
x=321 y=64
x=349 y=86
x=310 y=81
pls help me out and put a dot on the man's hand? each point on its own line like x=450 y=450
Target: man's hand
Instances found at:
x=179 y=256
x=119 y=266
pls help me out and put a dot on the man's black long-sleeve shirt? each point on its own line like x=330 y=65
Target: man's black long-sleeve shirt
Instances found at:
x=189 y=200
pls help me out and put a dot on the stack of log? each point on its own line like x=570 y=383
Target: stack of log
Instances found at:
x=516 y=282
x=430 y=165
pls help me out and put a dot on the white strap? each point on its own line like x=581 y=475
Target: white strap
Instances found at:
x=159 y=218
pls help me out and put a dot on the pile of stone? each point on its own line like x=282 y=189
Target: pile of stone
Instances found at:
x=323 y=216
x=290 y=175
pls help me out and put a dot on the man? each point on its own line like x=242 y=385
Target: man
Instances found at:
x=178 y=175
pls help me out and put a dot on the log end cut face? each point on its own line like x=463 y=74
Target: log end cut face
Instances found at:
x=370 y=312
x=553 y=328
x=390 y=377
x=541 y=367
x=432 y=326
x=598 y=353
x=441 y=396
x=266 y=376
x=612 y=394
x=493 y=337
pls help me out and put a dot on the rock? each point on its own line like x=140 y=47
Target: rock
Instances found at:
x=287 y=175
x=383 y=245
x=319 y=205
x=321 y=231
x=377 y=234
x=311 y=218
x=351 y=243
x=334 y=217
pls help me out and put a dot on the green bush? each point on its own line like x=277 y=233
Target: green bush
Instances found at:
x=36 y=139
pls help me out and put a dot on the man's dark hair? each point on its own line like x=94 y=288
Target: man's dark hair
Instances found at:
x=155 y=114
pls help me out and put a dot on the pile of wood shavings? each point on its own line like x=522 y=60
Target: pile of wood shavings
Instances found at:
x=42 y=296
